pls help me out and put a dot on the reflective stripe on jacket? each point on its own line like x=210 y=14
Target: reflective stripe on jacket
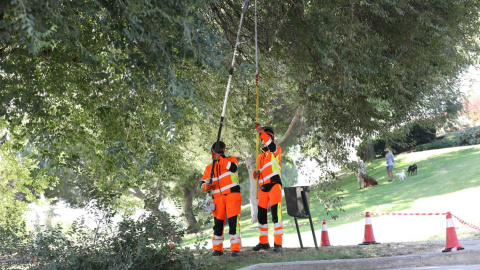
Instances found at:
x=223 y=179
x=270 y=166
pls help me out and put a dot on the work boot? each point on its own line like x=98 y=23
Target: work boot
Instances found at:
x=217 y=253
x=235 y=254
x=277 y=248
x=261 y=246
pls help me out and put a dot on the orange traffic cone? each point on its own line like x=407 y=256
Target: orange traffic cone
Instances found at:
x=368 y=238
x=452 y=240
x=325 y=240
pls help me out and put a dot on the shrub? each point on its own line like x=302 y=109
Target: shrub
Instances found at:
x=13 y=240
x=379 y=146
x=437 y=145
x=421 y=135
x=470 y=136
x=457 y=124
x=151 y=242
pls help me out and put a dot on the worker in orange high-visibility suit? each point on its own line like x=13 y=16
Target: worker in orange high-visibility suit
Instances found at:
x=226 y=197
x=269 y=178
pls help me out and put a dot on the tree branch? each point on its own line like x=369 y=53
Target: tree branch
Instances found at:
x=137 y=193
x=289 y=129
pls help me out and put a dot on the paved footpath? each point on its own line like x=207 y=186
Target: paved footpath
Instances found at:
x=469 y=258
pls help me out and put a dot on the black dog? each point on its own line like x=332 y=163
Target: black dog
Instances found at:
x=412 y=169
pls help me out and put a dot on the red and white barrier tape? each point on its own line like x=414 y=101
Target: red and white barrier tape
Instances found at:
x=358 y=215
x=8 y=256
x=428 y=214
x=408 y=214
x=466 y=223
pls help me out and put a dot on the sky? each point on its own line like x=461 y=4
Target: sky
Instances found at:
x=471 y=81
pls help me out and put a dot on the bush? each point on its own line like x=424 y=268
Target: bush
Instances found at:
x=461 y=122
x=437 y=145
x=151 y=242
x=12 y=240
x=379 y=146
x=421 y=135
x=470 y=136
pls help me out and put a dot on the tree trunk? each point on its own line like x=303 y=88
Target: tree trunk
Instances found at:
x=189 y=215
x=369 y=151
x=250 y=162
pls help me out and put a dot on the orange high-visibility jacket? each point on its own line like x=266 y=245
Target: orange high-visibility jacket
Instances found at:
x=224 y=181
x=269 y=162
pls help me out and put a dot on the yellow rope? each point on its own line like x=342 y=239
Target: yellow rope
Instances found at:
x=256 y=156
x=256 y=97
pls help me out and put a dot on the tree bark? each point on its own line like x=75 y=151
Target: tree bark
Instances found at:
x=189 y=215
x=368 y=151
x=137 y=193
x=250 y=162
x=289 y=129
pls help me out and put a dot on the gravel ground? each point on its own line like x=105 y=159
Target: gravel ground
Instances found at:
x=369 y=251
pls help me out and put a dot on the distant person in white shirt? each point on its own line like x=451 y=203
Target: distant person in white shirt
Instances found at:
x=390 y=162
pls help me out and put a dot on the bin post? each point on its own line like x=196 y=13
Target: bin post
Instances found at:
x=298 y=232
x=307 y=209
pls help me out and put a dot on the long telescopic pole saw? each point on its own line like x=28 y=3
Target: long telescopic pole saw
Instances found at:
x=256 y=96
x=244 y=7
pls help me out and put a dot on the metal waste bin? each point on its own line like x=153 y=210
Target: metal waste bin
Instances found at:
x=297 y=199
x=295 y=205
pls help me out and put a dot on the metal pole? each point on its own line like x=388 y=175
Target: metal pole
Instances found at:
x=298 y=232
x=307 y=209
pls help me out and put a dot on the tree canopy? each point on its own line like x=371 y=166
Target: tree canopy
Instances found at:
x=126 y=95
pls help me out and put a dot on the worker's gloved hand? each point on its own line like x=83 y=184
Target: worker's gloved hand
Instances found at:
x=206 y=187
x=258 y=128
x=256 y=174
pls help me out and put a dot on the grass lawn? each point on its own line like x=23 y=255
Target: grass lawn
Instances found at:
x=440 y=172
x=444 y=177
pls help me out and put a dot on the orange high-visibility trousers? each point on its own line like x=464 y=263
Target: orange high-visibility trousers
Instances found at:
x=227 y=209
x=274 y=198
